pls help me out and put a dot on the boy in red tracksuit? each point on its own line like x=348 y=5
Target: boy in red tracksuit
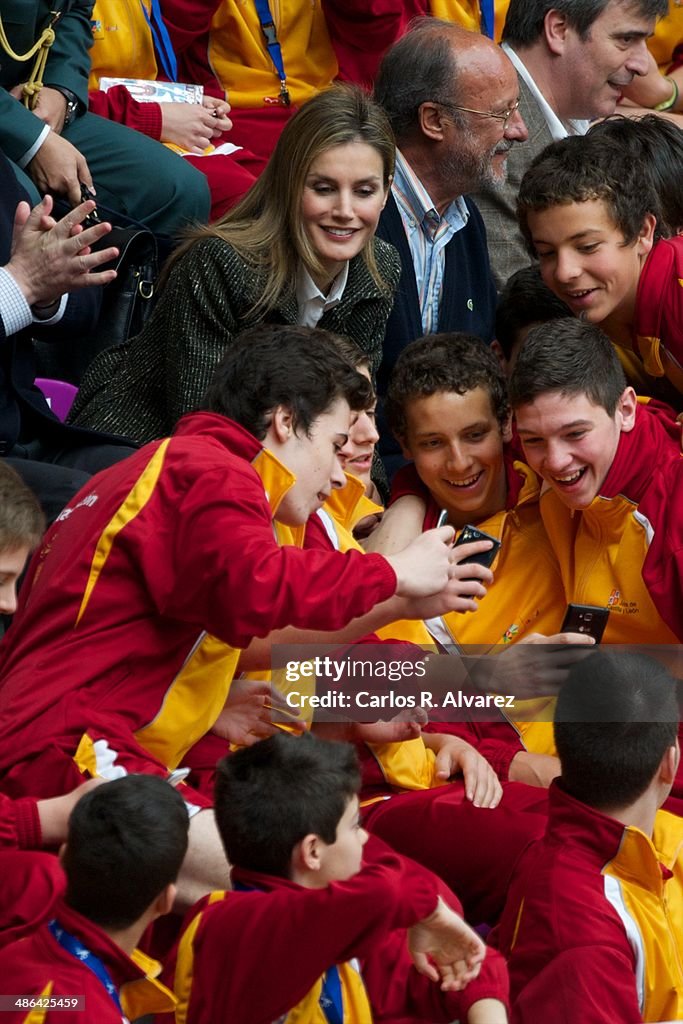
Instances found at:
x=614 y=482
x=136 y=607
x=591 y=927
x=125 y=846
x=588 y=211
x=307 y=906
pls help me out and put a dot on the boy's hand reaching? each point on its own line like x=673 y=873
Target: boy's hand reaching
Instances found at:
x=455 y=756
x=252 y=712
x=445 y=949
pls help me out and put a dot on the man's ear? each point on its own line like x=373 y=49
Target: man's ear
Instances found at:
x=281 y=425
x=431 y=120
x=669 y=764
x=405 y=450
x=307 y=854
x=646 y=235
x=555 y=30
x=626 y=410
x=163 y=904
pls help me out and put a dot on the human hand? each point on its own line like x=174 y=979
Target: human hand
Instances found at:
x=428 y=563
x=535 y=666
x=49 y=258
x=465 y=586
x=51 y=108
x=221 y=108
x=534 y=769
x=455 y=756
x=191 y=126
x=456 y=950
x=252 y=711
x=406 y=725
x=54 y=813
x=59 y=168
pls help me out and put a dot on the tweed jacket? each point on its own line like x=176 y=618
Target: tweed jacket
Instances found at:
x=145 y=385
x=498 y=206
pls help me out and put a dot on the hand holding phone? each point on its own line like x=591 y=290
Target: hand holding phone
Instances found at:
x=588 y=619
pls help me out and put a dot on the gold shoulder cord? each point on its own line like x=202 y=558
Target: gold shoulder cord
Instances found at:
x=32 y=87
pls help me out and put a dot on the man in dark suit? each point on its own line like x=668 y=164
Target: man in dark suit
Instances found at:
x=573 y=61
x=42 y=261
x=451 y=97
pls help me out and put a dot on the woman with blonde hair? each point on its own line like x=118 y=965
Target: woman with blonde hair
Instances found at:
x=299 y=248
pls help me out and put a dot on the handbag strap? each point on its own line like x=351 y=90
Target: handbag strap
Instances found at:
x=274 y=48
x=162 y=40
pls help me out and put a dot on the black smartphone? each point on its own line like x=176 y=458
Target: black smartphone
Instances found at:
x=468 y=534
x=585 y=618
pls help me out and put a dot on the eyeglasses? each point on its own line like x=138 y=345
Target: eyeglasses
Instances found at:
x=503 y=116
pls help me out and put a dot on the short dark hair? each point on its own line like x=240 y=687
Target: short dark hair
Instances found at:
x=456 y=362
x=419 y=68
x=569 y=356
x=616 y=715
x=21 y=519
x=359 y=359
x=525 y=300
x=126 y=842
x=584 y=167
x=525 y=18
x=269 y=796
x=269 y=365
x=655 y=144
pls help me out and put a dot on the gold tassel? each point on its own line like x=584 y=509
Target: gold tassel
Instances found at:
x=32 y=87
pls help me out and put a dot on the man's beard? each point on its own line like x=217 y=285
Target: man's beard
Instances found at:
x=471 y=170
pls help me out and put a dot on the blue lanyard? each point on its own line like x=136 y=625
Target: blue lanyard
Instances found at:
x=72 y=945
x=270 y=33
x=162 y=40
x=331 y=1002
x=331 y=997
x=486 y=8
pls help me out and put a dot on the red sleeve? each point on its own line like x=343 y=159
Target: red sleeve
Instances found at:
x=361 y=31
x=188 y=23
x=31 y=882
x=591 y=984
x=229 y=575
x=396 y=989
x=118 y=105
x=259 y=954
x=498 y=742
x=19 y=823
x=663 y=565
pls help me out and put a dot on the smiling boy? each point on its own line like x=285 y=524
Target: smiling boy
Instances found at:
x=588 y=212
x=614 y=476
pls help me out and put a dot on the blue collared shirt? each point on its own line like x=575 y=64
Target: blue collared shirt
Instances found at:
x=428 y=235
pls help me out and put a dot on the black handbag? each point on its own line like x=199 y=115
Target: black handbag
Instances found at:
x=127 y=302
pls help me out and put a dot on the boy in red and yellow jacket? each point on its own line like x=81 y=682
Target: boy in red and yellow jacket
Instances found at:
x=315 y=928
x=591 y=927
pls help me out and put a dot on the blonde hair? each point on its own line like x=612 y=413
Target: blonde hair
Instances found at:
x=265 y=228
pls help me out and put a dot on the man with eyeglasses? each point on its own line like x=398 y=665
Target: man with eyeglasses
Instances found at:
x=452 y=99
x=573 y=60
